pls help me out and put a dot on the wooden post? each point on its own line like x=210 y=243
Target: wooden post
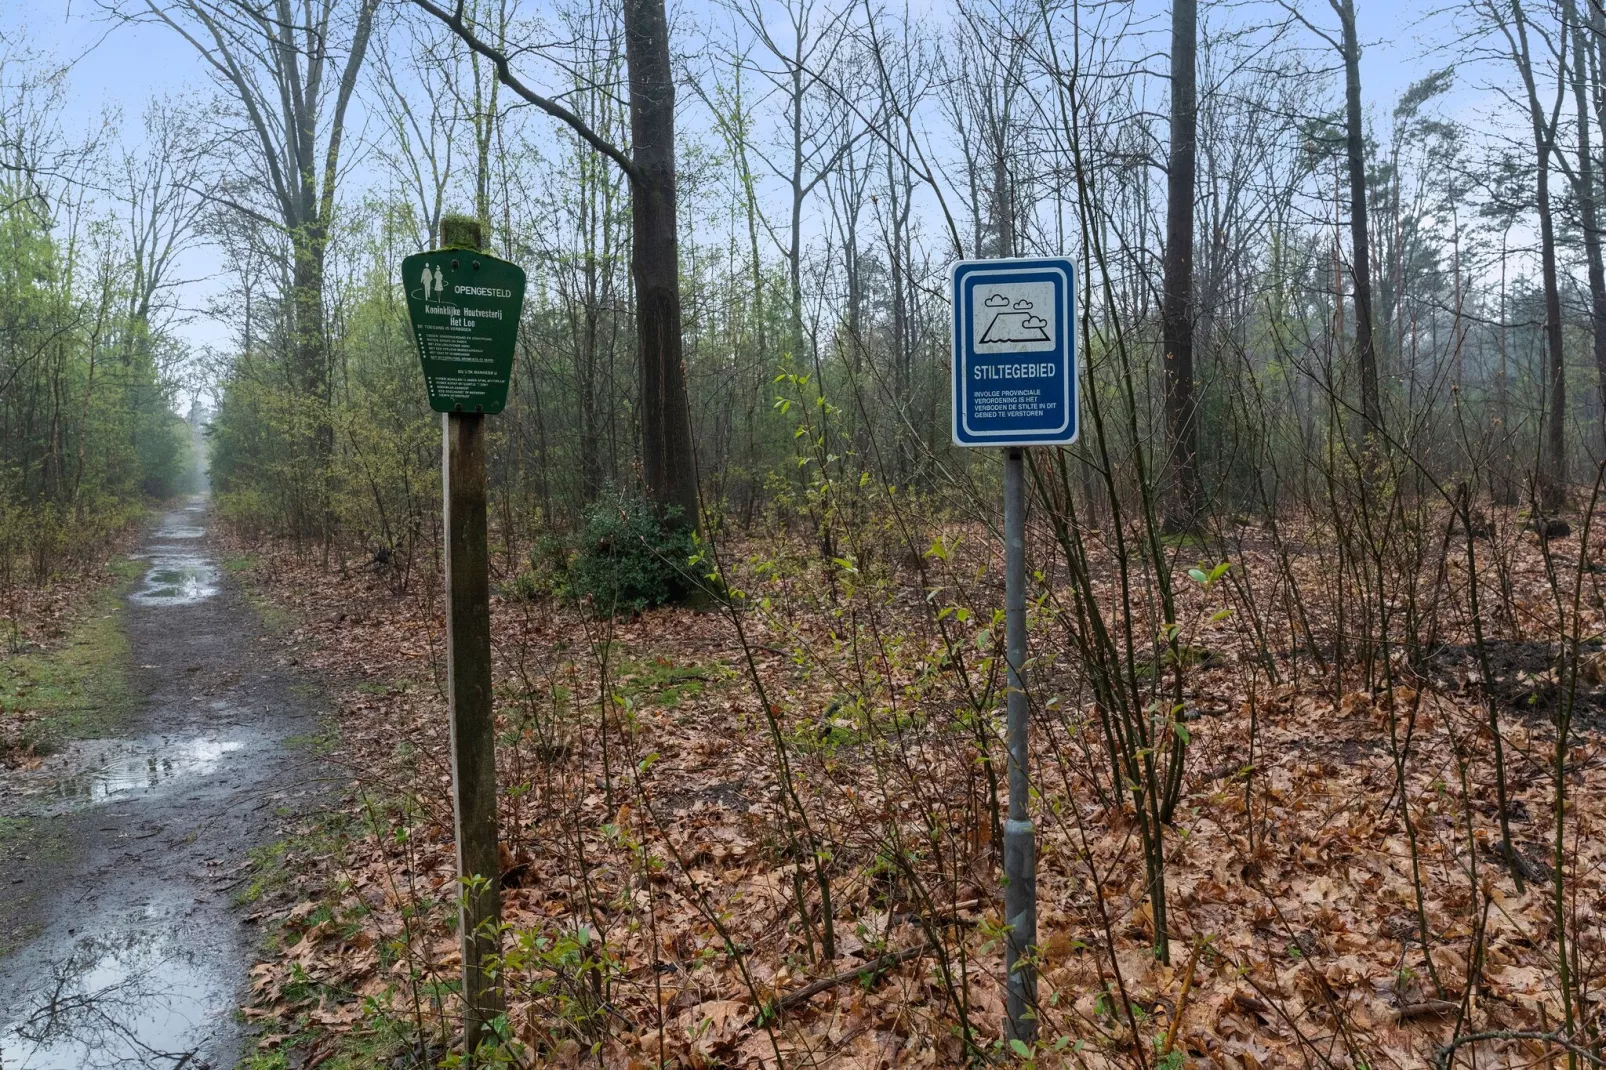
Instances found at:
x=468 y=653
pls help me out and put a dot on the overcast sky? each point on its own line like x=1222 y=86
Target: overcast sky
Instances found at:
x=125 y=66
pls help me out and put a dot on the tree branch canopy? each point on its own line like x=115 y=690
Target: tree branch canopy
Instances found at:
x=453 y=21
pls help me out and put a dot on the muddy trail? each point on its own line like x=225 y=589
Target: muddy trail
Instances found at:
x=139 y=845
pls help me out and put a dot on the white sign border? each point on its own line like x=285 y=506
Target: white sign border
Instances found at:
x=1066 y=270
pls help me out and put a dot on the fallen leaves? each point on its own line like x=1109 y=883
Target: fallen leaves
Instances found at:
x=664 y=902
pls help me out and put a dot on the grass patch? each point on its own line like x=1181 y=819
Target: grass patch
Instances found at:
x=275 y=865
x=80 y=689
x=11 y=828
x=269 y=873
x=276 y=620
x=1185 y=540
x=319 y=743
x=352 y=1051
x=661 y=682
x=848 y=724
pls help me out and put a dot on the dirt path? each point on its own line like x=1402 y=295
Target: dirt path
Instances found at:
x=141 y=842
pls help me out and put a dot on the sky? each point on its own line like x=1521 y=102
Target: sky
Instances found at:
x=125 y=66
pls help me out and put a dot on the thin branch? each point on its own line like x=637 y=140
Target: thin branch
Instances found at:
x=504 y=74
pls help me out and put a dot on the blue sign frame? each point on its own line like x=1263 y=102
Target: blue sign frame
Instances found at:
x=1014 y=362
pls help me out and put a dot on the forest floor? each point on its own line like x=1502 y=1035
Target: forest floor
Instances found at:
x=149 y=750
x=654 y=866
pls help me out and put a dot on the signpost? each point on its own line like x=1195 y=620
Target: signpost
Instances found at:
x=464 y=306
x=1015 y=385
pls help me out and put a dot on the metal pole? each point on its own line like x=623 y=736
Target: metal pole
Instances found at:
x=1020 y=850
x=473 y=731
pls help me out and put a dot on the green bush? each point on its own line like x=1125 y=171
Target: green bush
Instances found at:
x=249 y=511
x=548 y=571
x=627 y=559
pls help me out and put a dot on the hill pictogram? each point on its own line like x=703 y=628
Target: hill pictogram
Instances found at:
x=1013 y=323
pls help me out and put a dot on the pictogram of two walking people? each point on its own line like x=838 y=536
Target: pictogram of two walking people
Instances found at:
x=433 y=283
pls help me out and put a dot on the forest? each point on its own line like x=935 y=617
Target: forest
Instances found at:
x=1315 y=605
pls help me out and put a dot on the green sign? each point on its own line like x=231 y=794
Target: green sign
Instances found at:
x=464 y=307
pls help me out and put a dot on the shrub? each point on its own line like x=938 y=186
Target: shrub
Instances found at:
x=248 y=511
x=548 y=569
x=628 y=559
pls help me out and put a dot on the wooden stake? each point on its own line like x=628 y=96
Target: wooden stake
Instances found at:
x=468 y=654
x=1182 y=1000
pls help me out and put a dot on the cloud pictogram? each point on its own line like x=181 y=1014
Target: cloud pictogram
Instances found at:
x=1023 y=305
x=997 y=301
x=1009 y=326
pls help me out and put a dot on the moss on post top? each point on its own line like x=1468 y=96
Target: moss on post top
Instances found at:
x=462 y=232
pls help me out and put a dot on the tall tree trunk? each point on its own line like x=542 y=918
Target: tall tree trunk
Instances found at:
x=667 y=462
x=1360 y=255
x=1553 y=472
x=1182 y=506
x=1553 y=457
x=310 y=372
x=1003 y=199
x=306 y=307
x=794 y=251
x=1588 y=207
x=1505 y=481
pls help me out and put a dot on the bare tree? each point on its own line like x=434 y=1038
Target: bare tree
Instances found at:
x=292 y=71
x=1182 y=506
x=1360 y=238
x=1543 y=124
x=1584 y=183
x=421 y=142
x=161 y=193
x=815 y=136
x=668 y=464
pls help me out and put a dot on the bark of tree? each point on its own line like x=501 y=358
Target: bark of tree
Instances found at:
x=1588 y=219
x=1585 y=86
x=1182 y=505
x=667 y=461
x=1553 y=460
x=1554 y=468
x=1360 y=255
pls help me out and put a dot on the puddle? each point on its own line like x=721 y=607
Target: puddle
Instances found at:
x=147 y=977
x=136 y=995
x=177 y=579
x=178 y=576
x=96 y=771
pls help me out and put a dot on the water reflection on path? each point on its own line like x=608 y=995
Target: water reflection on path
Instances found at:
x=138 y=968
x=134 y=994
x=95 y=771
x=179 y=575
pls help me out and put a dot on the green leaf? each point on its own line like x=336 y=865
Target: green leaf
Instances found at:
x=1198 y=575
x=1219 y=616
x=1018 y=1046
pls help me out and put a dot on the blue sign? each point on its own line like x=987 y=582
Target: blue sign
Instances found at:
x=1015 y=352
